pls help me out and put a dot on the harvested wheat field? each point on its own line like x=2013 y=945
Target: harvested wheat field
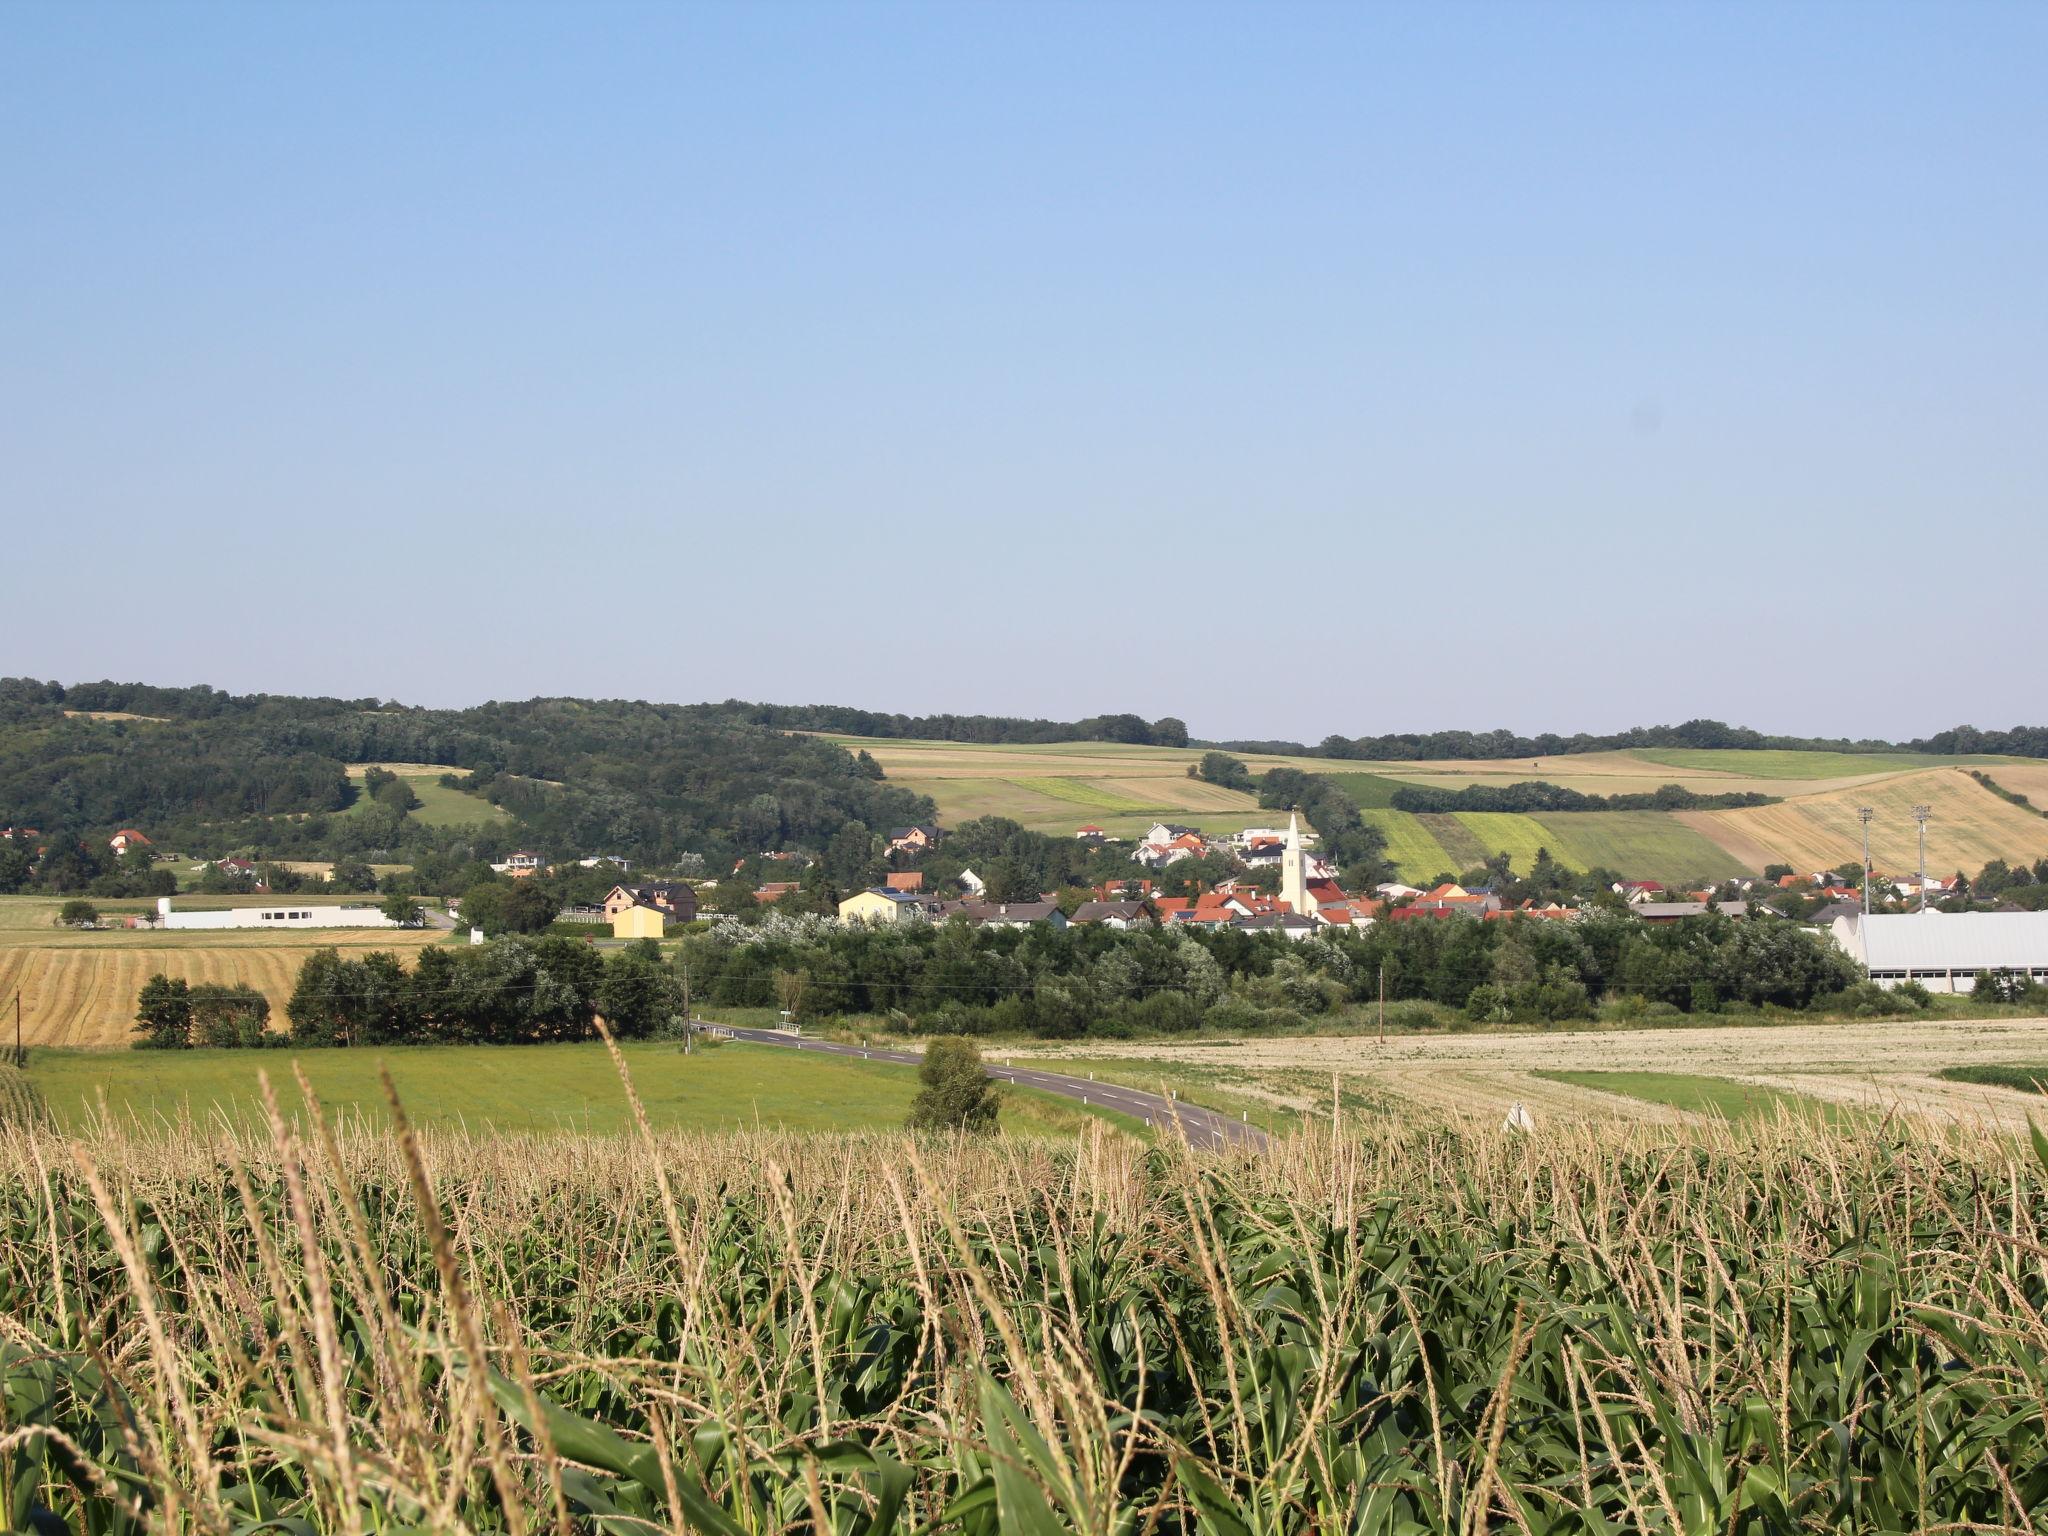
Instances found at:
x=79 y=989
x=1970 y=825
x=1881 y=1064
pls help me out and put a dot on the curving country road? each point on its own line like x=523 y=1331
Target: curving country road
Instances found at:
x=1205 y=1129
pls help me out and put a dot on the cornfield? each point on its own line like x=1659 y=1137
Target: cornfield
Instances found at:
x=1607 y=1330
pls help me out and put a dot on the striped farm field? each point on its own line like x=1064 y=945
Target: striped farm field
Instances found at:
x=1969 y=826
x=83 y=993
x=1074 y=792
x=1458 y=840
x=1519 y=837
x=1640 y=845
x=1415 y=853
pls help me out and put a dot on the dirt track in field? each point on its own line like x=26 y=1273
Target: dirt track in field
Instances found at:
x=1880 y=1063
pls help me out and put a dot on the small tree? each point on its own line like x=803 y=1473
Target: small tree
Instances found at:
x=401 y=909
x=955 y=1093
x=78 y=914
x=229 y=1017
x=790 y=987
x=163 y=1015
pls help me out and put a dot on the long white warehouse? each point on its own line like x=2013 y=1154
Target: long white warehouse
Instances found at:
x=284 y=915
x=1944 y=951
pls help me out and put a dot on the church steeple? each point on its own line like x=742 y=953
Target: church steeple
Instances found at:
x=1294 y=871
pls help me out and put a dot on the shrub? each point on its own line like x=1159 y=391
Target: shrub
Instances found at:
x=955 y=1094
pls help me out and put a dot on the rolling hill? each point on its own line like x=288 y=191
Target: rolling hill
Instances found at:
x=1057 y=787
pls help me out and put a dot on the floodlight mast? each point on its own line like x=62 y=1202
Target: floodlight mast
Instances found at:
x=1920 y=814
x=1863 y=814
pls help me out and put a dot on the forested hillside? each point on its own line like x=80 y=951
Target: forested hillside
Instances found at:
x=208 y=772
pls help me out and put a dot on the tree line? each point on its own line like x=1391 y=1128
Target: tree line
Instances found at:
x=1692 y=735
x=953 y=979
x=511 y=991
x=1535 y=796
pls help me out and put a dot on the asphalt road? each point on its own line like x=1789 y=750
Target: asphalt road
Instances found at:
x=1205 y=1129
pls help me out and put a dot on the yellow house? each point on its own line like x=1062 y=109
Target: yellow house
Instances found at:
x=881 y=906
x=639 y=923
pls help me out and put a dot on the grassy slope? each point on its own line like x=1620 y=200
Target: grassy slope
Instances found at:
x=1372 y=791
x=1698 y=1095
x=525 y=1088
x=439 y=806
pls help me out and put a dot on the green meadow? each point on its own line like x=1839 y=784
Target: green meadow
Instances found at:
x=521 y=1088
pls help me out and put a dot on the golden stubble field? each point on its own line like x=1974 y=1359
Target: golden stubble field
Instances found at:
x=1882 y=1064
x=78 y=988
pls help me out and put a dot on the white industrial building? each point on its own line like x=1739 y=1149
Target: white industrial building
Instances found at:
x=284 y=915
x=1944 y=951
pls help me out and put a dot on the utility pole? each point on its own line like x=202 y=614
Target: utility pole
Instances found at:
x=1863 y=814
x=1383 y=1005
x=689 y=1025
x=20 y=1058
x=1920 y=814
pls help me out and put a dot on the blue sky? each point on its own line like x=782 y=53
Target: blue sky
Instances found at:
x=1288 y=369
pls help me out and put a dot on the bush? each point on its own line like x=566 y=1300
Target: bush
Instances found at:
x=78 y=914
x=1915 y=994
x=1865 y=1000
x=955 y=1094
x=1487 y=1004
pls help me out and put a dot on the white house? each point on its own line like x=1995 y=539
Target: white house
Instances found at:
x=284 y=915
x=1944 y=951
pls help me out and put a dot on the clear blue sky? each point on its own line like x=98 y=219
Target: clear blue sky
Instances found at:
x=1288 y=369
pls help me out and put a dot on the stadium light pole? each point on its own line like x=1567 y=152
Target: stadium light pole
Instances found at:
x=1920 y=814
x=1863 y=814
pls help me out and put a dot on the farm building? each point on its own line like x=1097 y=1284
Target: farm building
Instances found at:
x=288 y=916
x=883 y=905
x=639 y=922
x=1944 y=951
x=676 y=898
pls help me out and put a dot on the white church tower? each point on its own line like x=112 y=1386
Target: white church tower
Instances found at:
x=1294 y=872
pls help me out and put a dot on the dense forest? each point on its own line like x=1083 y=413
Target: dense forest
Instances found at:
x=211 y=773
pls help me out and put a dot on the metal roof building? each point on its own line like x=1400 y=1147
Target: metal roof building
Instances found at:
x=1944 y=951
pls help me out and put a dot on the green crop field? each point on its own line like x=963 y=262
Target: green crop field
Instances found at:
x=2020 y=1079
x=1639 y=845
x=524 y=1088
x=1415 y=852
x=1519 y=837
x=1719 y=1096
